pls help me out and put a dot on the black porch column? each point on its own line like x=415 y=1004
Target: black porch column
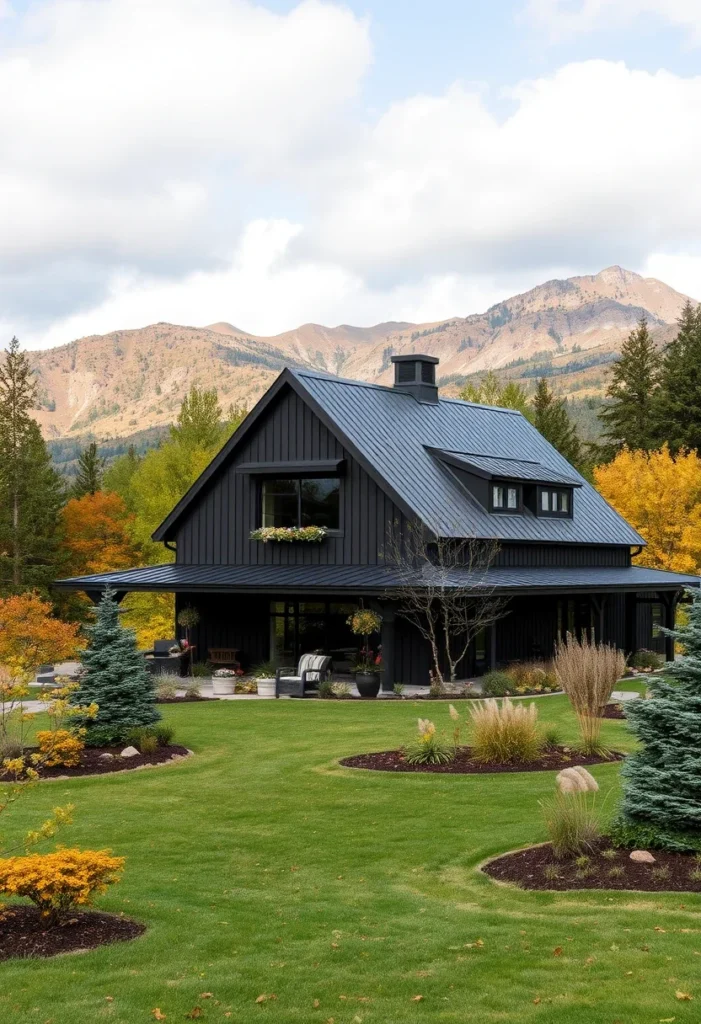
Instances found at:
x=388 y=647
x=631 y=624
x=669 y=603
x=599 y=606
x=492 y=659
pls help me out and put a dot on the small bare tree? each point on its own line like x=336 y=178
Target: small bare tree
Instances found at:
x=443 y=590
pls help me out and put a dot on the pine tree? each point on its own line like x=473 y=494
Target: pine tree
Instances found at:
x=116 y=679
x=31 y=492
x=628 y=419
x=678 y=405
x=552 y=420
x=90 y=470
x=662 y=782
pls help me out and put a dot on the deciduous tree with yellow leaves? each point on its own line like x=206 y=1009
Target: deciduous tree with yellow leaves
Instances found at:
x=660 y=495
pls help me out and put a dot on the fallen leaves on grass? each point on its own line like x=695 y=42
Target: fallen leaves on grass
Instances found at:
x=557 y=951
x=683 y=996
x=158 y=1014
x=195 y=1013
x=416 y=999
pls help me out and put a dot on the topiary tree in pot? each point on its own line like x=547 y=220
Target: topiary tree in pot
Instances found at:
x=115 y=678
x=662 y=781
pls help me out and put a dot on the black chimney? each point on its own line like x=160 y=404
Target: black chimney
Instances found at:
x=417 y=376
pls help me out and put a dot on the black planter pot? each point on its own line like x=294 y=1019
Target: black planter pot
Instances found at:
x=368 y=683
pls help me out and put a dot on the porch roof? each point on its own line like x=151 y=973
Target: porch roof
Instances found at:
x=371 y=579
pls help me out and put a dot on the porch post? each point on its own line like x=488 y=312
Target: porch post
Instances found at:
x=599 y=605
x=493 y=647
x=387 y=640
x=631 y=624
x=669 y=603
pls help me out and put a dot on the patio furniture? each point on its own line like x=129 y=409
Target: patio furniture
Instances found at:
x=160 y=661
x=312 y=668
x=224 y=657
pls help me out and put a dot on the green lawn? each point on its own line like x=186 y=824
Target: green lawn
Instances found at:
x=260 y=866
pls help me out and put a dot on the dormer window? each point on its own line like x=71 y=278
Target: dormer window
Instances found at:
x=555 y=502
x=505 y=497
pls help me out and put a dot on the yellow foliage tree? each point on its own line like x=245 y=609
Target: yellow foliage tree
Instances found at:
x=660 y=495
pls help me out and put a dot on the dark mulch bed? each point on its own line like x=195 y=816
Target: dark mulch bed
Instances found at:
x=91 y=763
x=23 y=932
x=183 y=700
x=527 y=868
x=552 y=760
x=614 y=711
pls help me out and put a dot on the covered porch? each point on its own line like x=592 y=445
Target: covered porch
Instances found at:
x=278 y=612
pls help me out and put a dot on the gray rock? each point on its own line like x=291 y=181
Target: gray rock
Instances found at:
x=107 y=757
x=129 y=752
x=642 y=857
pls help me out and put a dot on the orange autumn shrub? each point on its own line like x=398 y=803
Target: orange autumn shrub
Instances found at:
x=57 y=882
x=59 y=747
x=30 y=635
x=97 y=534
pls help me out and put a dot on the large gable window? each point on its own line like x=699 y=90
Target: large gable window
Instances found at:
x=505 y=497
x=301 y=502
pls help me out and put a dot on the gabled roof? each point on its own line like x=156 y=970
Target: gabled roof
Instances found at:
x=392 y=435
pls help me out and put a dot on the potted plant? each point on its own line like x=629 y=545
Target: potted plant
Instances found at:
x=264 y=676
x=364 y=623
x=223 y=682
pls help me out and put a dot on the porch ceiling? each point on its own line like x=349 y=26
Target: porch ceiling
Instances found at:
x=371 y=579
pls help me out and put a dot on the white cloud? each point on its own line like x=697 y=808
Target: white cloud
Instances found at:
x=121 y=121
x=564 y=19
x=197 y=160
x=596 y=165
x=262 y=292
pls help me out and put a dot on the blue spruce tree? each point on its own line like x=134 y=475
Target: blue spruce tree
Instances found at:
x=116 y=678
x=662 y=782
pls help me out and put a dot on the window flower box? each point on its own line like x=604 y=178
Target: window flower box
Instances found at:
x=290 y=534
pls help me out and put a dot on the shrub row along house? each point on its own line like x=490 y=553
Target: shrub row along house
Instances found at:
x=352 y=466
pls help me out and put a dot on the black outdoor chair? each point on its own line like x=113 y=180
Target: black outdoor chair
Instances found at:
x=312 y=668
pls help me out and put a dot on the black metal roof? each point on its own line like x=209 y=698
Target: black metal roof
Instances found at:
x=494 y=468
x=395 y=437
x=366 y=579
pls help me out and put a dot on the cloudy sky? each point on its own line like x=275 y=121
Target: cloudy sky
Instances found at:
x=274 y=163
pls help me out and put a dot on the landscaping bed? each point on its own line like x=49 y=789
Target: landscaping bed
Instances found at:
x=553 y=759
x=92 y=762
x=23 y=932
x=615 y=712
x=538 y=868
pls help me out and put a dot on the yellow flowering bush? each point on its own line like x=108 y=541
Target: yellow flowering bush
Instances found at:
x=57 y=882
x=59 y=747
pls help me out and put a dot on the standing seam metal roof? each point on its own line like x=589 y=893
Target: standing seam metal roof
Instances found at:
x=392 y=430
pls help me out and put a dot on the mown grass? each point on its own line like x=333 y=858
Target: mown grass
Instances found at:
x=261 y=867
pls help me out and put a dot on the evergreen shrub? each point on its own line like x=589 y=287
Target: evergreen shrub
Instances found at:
x=115 y=678
x=662 y=781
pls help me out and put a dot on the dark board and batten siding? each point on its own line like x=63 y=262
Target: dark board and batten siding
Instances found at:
x=562 y=555
x=217 y=529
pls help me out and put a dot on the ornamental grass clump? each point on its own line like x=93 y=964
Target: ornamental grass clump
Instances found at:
x=570 y=816
x=428 y=747
x=505 y=733
x=58 y=882
x=588 y=672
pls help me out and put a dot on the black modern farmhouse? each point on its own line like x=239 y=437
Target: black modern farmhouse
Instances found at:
x=358 y=462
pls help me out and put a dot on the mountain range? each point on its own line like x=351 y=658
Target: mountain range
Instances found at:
x=127 y=381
